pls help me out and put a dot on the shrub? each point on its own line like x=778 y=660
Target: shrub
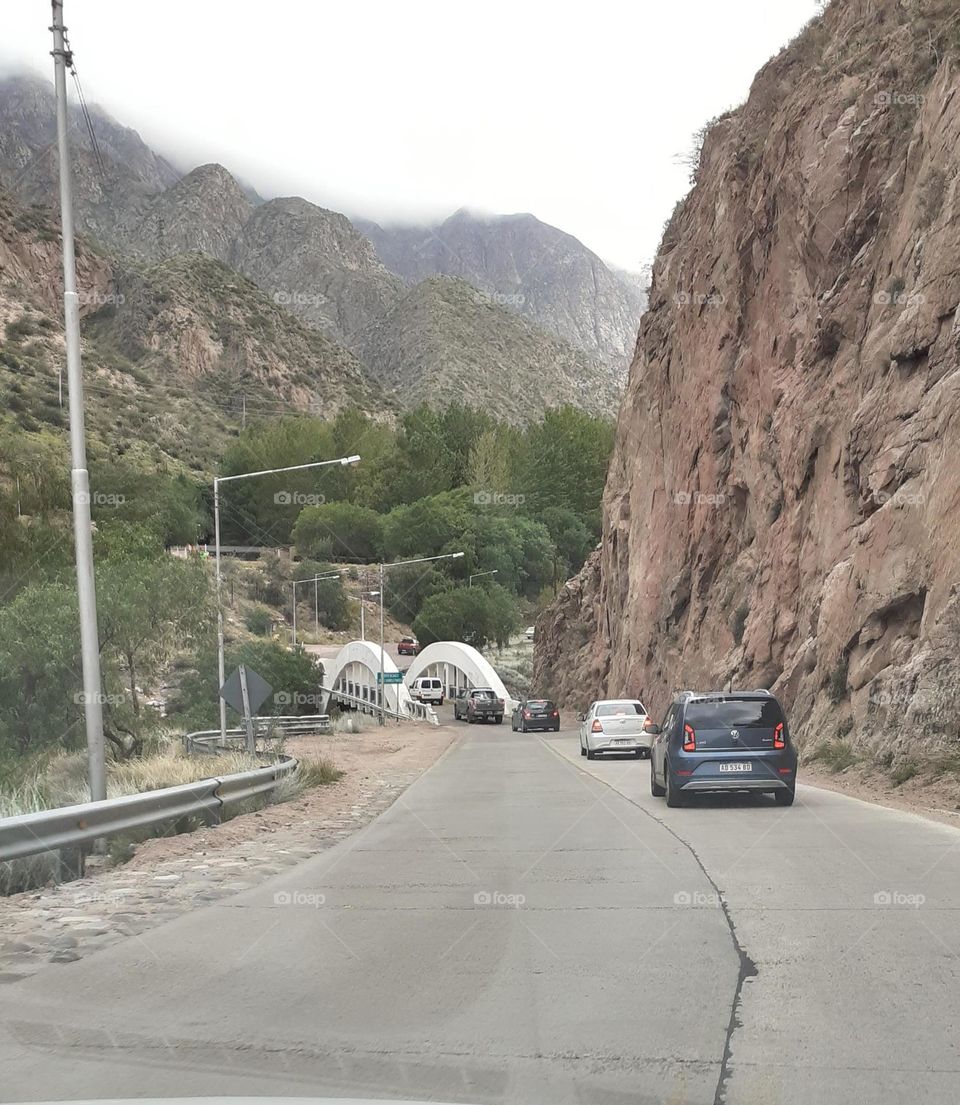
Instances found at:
x=259 y=620
x=837 y=681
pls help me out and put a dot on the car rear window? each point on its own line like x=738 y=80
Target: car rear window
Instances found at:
x=484 y=694
x=538 y=702
x=610 y=709
x=746 y=713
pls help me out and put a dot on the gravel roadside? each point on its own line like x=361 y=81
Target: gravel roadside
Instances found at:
x=169 y=875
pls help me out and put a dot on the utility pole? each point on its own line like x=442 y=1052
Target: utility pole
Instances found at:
x=383 y=696
x=79 y=477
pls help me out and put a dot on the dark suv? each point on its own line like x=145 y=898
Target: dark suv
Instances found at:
x=723 y=741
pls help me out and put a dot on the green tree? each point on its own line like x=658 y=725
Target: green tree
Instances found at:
x=572 y=541
x=148 y=608
x=41 y=688
x=352 y=532
x=295 y=677
x=563 y=463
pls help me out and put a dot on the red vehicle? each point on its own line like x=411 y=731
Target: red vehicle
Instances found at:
x=408 y=646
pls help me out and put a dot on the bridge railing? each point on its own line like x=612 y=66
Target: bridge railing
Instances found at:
x=419 y=711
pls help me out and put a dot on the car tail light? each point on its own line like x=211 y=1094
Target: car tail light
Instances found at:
x=786 y=770
x=556 y=713
x=526 y=714
x=778 y=741
x=648 y=723
x=596 y=727
x=689 y=739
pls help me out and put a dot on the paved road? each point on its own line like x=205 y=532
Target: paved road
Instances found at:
x=524 y=926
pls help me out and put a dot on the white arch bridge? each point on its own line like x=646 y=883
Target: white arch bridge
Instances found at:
x=352 y=677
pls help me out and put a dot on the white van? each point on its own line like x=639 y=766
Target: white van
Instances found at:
x=427 y=689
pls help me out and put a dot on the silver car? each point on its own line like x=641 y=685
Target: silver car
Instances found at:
x=615 y=725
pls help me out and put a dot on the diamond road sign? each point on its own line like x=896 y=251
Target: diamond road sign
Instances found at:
x=391 y=677
x=258 y=691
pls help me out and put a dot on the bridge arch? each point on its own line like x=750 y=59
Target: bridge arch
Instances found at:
x=354 y=672
x=458 y=665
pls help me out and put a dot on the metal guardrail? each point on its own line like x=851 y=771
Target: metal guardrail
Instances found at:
x=72 y=826
x=267 y=728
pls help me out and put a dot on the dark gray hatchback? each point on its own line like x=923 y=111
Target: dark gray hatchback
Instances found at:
x=723 y=741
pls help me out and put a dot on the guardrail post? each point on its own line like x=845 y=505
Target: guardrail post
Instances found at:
x=70 y=863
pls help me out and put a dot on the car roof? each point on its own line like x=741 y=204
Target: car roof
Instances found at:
x=721 y=696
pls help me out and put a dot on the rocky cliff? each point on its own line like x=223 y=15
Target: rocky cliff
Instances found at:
x=782 y=505
x=446 y=342
x=526 y=266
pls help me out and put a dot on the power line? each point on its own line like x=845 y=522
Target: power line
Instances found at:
x=71 y=65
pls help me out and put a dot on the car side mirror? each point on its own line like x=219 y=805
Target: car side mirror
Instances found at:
x=581 y=717
x=653 y=730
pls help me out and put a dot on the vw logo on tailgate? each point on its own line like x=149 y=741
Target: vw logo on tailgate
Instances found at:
x=735 y=734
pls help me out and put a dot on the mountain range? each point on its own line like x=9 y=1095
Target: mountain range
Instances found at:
x=505 y=312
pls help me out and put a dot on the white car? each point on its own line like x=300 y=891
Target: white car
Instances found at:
x=427 y=689
x=615 y=725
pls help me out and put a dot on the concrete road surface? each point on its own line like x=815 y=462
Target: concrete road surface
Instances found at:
x=523 y=926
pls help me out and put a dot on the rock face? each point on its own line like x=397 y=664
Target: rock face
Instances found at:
x=527 y=266
x=446 y=342
x=174 y=352
x=130 y=173
x=316 y=264
x=204 y=211
x=782 y=505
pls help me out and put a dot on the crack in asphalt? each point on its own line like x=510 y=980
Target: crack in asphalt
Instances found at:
x=747 y=967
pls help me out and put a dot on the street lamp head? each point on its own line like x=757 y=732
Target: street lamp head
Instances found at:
x=456 y=555
x=350 y=460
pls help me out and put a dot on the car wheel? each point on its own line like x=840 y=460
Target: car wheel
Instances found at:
x=673 y=796
x=583 y=751
x=784 y=797
x=591 y=755
x=655 y=789
x=499 y=719
x=556 y=727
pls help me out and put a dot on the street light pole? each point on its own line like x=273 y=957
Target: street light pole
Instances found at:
x=383 y=696
x=477 y=575
x=294 y=613
x=221 y=662
x=401 y=564
x=315 y=580
x=79 y=476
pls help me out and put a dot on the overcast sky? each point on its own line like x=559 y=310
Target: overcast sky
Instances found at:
x=405 y=111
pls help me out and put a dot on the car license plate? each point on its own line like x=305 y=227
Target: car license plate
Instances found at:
x=736 y=767
x=624 y=741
